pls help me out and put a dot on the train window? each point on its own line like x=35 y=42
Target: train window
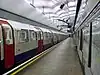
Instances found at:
x=17 y=36
x=41 y=35
x=86 y=39
x=95 y=49
x=48 y=35
x=32 y=35
x=24 y=36
x=45 y=35
x=96 y=34
x=38 y=35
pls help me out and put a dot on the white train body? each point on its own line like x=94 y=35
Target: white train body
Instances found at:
x=19 y=42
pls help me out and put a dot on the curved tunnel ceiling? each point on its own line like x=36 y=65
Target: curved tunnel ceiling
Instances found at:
x=57 y=9
x=44 y=11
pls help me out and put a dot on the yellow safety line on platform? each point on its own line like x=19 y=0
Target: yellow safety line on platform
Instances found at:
x=28 y=64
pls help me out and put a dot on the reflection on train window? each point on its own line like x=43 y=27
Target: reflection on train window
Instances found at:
x=24 y=36
x=96 y=33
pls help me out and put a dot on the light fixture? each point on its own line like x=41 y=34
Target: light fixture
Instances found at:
x=61 y=11
x=56 y=8
x=72 y=8
x=61 y=7
x=71 y=4
x=72 y=12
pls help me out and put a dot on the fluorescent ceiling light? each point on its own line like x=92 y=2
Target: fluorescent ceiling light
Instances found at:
x=50 y=3
x=72 y=15
x=48 y=10
x=28 y=1
x=63 y=15
x=56 y=18
x=71 y=4
x=54 y=1
x=57 y=8
x=73 y=12
x=43 y=3
x=39 y=10
x=53 y=15
x=38 y=3
x=72 y=8
x=60 y=12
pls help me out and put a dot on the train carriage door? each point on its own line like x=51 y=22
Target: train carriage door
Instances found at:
x=8 y=46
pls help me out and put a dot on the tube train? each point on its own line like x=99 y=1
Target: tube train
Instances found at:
x=19 y=42
x=87 y=40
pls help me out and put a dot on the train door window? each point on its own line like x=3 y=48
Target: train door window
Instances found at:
x=50 y=35
x=45 y=35
x=41 y=35
x=86 y=39
x=36 y=35
x=8 y=34
x=32 y=35
x=24 y=36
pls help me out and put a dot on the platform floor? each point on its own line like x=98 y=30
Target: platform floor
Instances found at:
x=63 y=60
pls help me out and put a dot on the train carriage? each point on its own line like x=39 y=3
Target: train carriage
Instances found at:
x=20 y=42
x=87 y=38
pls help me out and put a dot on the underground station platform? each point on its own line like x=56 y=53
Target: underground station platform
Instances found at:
x=61 y=59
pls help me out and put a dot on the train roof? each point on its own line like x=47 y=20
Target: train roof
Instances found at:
x=45 y=30
x=19 y=26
